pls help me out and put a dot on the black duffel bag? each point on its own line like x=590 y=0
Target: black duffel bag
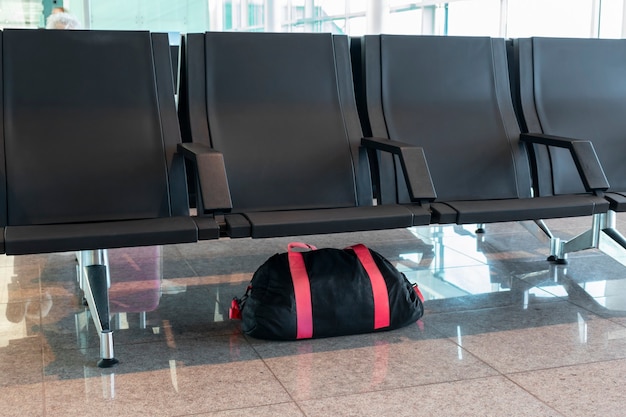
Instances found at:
x=326 y=292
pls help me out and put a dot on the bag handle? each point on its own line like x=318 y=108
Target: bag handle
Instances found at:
x=293 y=245
x=379 y=286
x=301 y=289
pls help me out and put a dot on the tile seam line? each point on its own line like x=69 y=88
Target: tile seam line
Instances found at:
x=269 y=368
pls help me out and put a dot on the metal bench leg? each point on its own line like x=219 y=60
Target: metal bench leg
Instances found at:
x=559 y=248
x=612 y=242
x=586 y=240
x=95 y=285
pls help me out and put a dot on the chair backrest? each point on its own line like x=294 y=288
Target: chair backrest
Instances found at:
x=575 y=88
x=90 y=127
x=449 y=95
x=280 y=108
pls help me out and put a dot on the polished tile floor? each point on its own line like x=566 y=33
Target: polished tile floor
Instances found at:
x=505 y=333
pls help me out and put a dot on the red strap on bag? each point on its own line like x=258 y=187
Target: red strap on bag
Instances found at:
x=302 y=290
x=379 y=287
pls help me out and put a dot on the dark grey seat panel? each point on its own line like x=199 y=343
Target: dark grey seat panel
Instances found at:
x=71 y=237
x=522 y=209
x=62 y=159
x=274 y=112
x=309 y=222
x=451 y=101
x=452 y=97
x=280 y=109
x=576 y=88
x=102 y=149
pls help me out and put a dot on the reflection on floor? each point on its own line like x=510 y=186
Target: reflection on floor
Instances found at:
x=505 y=333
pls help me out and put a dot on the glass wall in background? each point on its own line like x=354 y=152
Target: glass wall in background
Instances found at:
x=565 y=18
x=156 y=15
x=21 y=13
x=498 y=18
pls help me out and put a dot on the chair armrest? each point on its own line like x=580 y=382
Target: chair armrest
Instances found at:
x=583 y=154
x=414 y=166
x=210 y=171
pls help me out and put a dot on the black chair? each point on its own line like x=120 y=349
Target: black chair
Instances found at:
x=90 y=137
x=451 y=96
x=575 y=91
x=279 y=109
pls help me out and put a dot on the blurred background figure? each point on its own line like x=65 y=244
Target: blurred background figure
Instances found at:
x=61 y=19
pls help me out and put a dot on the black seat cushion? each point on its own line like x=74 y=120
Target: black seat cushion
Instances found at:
x=352 y=219
x=491 y=211
x=85 y=236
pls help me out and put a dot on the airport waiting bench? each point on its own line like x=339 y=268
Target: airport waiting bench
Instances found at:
x=90 y=161
x=93 y=160
x=277 y=111
x=574 y=91
x=451 y=96
x=272 y=134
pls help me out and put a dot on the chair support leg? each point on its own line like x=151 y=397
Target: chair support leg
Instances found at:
x=560 y=248
x=613 y=243
x=95 y=285
x=603 y=235
x=586 y=240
